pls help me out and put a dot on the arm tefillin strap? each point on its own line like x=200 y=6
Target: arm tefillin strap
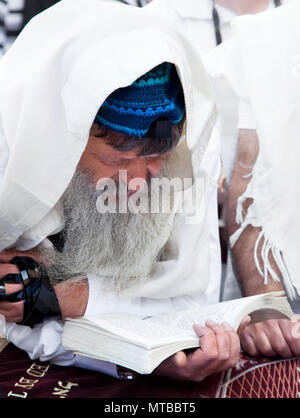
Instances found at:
x=38 y=295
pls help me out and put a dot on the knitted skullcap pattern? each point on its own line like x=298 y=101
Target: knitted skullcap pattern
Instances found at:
x=156 y=95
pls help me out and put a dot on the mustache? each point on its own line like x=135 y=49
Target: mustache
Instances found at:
x=121 y=246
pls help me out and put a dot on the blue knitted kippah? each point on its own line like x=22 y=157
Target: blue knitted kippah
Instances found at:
x=156 y=95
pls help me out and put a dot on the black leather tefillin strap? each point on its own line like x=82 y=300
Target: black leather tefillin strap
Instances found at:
x=37 y=293
x=161 y=129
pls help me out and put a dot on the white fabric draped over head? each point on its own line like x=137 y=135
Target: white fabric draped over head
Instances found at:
x=53 y=80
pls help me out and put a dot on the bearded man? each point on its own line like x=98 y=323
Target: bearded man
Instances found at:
x=112 y=95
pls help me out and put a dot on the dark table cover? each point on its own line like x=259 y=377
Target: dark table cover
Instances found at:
x=21 y=377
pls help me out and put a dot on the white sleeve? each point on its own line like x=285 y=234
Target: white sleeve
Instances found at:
x=246 y=118
x=43 y=342
x=101 y=301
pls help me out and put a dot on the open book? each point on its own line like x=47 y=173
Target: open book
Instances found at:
x=141 y=343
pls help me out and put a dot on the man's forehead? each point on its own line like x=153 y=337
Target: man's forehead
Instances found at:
x=99 y=144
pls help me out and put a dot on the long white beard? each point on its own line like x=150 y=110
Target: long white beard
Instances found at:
x=124 y=246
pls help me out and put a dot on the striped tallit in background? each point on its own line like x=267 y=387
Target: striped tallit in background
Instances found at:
x=11 y=22
x=3 y=13
x=14 y=14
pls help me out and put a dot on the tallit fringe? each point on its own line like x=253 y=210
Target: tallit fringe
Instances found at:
x=234 y=237
x=239 y=219
x=265 y=252
x=268 y=246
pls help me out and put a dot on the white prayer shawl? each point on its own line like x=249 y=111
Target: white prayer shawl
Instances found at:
x=268 y=48
x=53 y=81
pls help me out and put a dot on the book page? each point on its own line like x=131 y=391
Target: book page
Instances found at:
x=167 y=328
x=222 y=312
x=140 y=329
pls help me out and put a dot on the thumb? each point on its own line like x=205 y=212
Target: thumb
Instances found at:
x=179 y=359
x=243 y=325
x=295 y=318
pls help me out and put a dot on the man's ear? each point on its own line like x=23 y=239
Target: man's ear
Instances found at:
x=96 y=130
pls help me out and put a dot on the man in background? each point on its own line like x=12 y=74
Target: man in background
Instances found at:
x=85 y=86
x=14 y=15
x=207 y=24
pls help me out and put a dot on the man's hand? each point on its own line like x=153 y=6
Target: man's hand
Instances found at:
x=272 y=338
x=219 y=350
x=72 y=297
x=13 y=312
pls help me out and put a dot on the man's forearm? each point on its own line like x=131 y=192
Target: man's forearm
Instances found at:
x=72 y=297
x=250 y=280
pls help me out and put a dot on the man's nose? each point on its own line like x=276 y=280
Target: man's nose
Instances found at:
x=137 y=173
